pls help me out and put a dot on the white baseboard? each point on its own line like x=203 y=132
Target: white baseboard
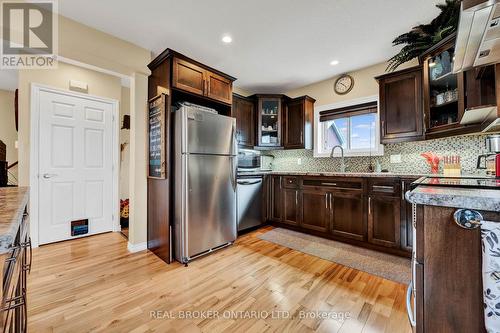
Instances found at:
x=137 y=247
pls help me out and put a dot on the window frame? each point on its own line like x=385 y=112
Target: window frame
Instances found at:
x=319 y=130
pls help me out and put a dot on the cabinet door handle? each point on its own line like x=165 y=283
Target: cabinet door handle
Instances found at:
x=369 y=206
x=403 y=191
x=326 y=201
x=382 y=188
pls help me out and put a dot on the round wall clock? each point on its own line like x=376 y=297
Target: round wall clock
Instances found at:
x=343 y=84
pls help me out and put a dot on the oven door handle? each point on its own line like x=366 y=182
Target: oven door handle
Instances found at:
x=409 y=310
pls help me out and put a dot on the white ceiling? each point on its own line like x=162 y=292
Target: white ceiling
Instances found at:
x=277 y=45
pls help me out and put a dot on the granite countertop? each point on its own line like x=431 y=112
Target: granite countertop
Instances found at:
x=347 y=174
x=329 y=174
x=468 y=198
x=13 y=200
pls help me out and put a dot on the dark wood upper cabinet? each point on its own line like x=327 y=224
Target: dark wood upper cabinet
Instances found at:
x=269 y=118
x=348 y=215
x=480 y=88
x=316 y=212
x=188 y=76
x=193 y=77
x=401 y=112
x=443 y=90
x=244 y=112
x=447 y=95
x=219 y=87
x=298 y=120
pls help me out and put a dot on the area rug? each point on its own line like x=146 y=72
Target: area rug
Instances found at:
x=384 y=265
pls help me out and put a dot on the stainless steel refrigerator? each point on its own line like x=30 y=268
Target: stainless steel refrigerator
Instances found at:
x=205 y=155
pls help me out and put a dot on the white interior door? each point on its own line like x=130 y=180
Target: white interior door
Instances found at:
x=75 y=165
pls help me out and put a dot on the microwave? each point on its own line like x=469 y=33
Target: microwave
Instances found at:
x=252 y=160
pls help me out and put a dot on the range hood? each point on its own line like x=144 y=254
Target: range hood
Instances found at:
x=478 y=37
x=486 y=115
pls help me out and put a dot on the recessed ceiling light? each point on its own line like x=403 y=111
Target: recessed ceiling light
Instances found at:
x=334 y=62
x=227 y=39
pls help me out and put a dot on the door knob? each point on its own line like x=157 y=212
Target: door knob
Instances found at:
x=49 y=175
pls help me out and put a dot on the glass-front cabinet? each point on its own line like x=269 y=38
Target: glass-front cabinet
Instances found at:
x=269 y=120
x=443 y=90
x=453 y=102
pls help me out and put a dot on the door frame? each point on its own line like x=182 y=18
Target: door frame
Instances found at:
x=36 y=88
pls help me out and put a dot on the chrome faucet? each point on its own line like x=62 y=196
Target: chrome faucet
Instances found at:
x=342 y=165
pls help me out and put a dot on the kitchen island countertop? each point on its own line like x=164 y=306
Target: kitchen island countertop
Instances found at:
x=467 y=198
x=13 y=200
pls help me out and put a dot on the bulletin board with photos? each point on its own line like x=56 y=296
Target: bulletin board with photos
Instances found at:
x=156 y=136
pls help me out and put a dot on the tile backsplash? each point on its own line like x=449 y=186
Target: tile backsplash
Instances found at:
x=467 y=147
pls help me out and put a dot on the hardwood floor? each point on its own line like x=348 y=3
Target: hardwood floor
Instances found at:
x=94 y=285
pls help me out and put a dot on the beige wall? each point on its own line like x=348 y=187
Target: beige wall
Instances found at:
x=138 y=157
x=88 y=47
x=364 y=85
x=8 y=132
x=241 y=92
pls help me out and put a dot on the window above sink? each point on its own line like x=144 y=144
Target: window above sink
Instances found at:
x=354 y=125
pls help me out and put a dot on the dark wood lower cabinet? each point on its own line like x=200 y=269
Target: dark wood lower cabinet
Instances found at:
x=349 y=215
x=406 y=217
x=291 y=212
x=316 y=214
x=449 y=290
x=338 y=208
x=384 y=217
x=275 y=195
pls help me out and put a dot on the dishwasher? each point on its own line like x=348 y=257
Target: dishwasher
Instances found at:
x=249 y=198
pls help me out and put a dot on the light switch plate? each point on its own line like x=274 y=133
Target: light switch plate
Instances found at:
x=299 y=161
x=396 y=158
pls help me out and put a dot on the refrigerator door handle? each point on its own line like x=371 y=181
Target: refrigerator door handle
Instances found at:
x=234 y=168
x=234 y=142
